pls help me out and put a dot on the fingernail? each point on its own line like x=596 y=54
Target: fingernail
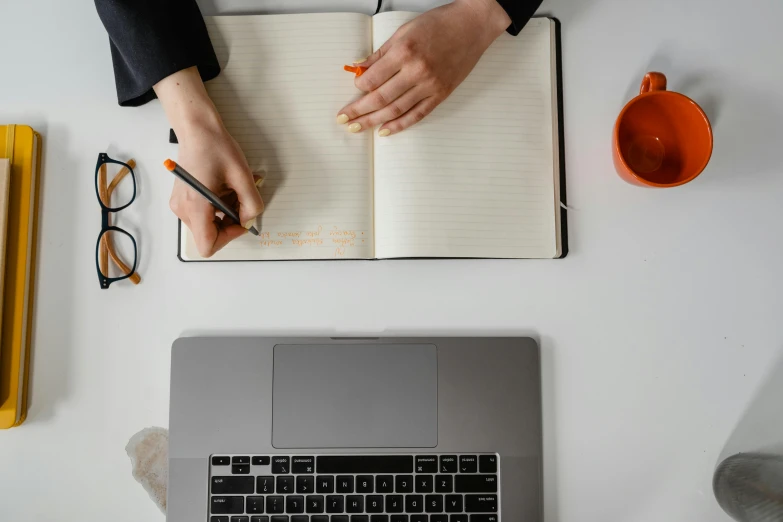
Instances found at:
x=343 y=118
x=250 y=224
x=384 y=132
x=362 y=60
x=355 y=127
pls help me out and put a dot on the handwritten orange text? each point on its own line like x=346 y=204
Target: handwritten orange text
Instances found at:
x=342 y=233
x=343 y=241
x=314 y=233
x=307 y=242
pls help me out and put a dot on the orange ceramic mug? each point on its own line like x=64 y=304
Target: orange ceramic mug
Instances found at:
x=661 y=138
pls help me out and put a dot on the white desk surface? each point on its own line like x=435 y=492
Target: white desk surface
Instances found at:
x=661 y=332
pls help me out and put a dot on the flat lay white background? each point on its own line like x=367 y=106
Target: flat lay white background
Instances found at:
x=661 y=333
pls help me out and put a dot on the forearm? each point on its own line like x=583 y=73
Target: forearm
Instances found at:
x=186 y=103
x=489 y=15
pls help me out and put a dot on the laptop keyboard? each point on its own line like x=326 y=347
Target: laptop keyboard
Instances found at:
x=355 y=488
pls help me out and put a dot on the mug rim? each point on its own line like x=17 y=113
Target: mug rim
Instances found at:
x=631 y=171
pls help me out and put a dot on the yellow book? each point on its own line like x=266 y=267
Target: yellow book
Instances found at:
x=21 y=145
x=5 y=185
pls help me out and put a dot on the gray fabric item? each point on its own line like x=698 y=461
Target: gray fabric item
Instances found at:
x=149 y=454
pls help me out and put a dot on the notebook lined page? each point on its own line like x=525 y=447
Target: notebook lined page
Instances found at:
x=280 y=88
x=477 y=177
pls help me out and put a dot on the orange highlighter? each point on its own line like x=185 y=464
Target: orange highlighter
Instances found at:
x=356 y=69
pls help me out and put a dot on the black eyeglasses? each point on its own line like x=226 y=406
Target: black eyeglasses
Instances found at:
x=111 y=237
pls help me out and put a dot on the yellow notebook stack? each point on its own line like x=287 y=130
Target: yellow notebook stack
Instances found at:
x=21 y=145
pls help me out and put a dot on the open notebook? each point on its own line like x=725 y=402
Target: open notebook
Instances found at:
x=479 y=177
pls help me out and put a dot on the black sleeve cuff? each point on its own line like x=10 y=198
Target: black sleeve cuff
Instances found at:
x=520 y=11
x=152 y=39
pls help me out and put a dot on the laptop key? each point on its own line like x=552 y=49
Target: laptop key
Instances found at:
x=364 y=484
x=433 y=503
x=232 y=485
x=314 y=503
x=419 y=518
x=285 y=485
x=339 y=518
x=265 y=485
x=227 y=505
x=394 y=504
x=476 y=484
x=439 y=518
x=453 y=504
x=254 y=505
x=483 y=518
x=259 y=519
x=424 y=483
x=399 y=518
x=488 y=464
x=379 y=518
x=414 y=504
x=300 y=518
x=280 y=518
x=344 y=484
x=458 y=518
x=260 y=461
x=325 y=484
x=404 y=484
x=280 y=465
x=305 y=484
x=301 y=465
x=468 y=464
x=444 y=484
x=448 y=464
x=426 y=464
x=360 y=518
x=240 y=469
x=294 y=504
x=374 y=504
x=335 y=504
x=354 y=504
x=221 y=461
x=481 y=503
x=275 y=504
x=364 y=464
x=240 y=519
x=384 y=484
x=240 y=460
x=320 y=518
x=218 y=519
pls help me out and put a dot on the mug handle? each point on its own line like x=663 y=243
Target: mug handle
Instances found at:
x=653 y=81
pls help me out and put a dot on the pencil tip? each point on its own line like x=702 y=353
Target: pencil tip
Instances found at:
x=253 y=231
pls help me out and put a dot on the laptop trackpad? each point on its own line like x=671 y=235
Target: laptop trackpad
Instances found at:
x=355 y=396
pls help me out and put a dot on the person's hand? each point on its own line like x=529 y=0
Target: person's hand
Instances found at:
x=207 y=151
x=422 y=63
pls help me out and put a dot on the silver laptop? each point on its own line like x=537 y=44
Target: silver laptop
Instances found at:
x=355 y=430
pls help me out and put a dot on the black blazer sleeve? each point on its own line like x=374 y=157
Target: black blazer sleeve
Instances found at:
x=152 y=39
x=520 y=11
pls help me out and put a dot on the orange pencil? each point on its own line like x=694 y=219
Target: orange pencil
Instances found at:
x=356 y=69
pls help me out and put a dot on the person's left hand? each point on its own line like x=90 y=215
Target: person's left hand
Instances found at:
x=422 y=63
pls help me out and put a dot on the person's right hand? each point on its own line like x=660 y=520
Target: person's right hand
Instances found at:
x=207 y=151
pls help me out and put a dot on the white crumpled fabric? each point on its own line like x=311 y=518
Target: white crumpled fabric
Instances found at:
x=149 y=454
